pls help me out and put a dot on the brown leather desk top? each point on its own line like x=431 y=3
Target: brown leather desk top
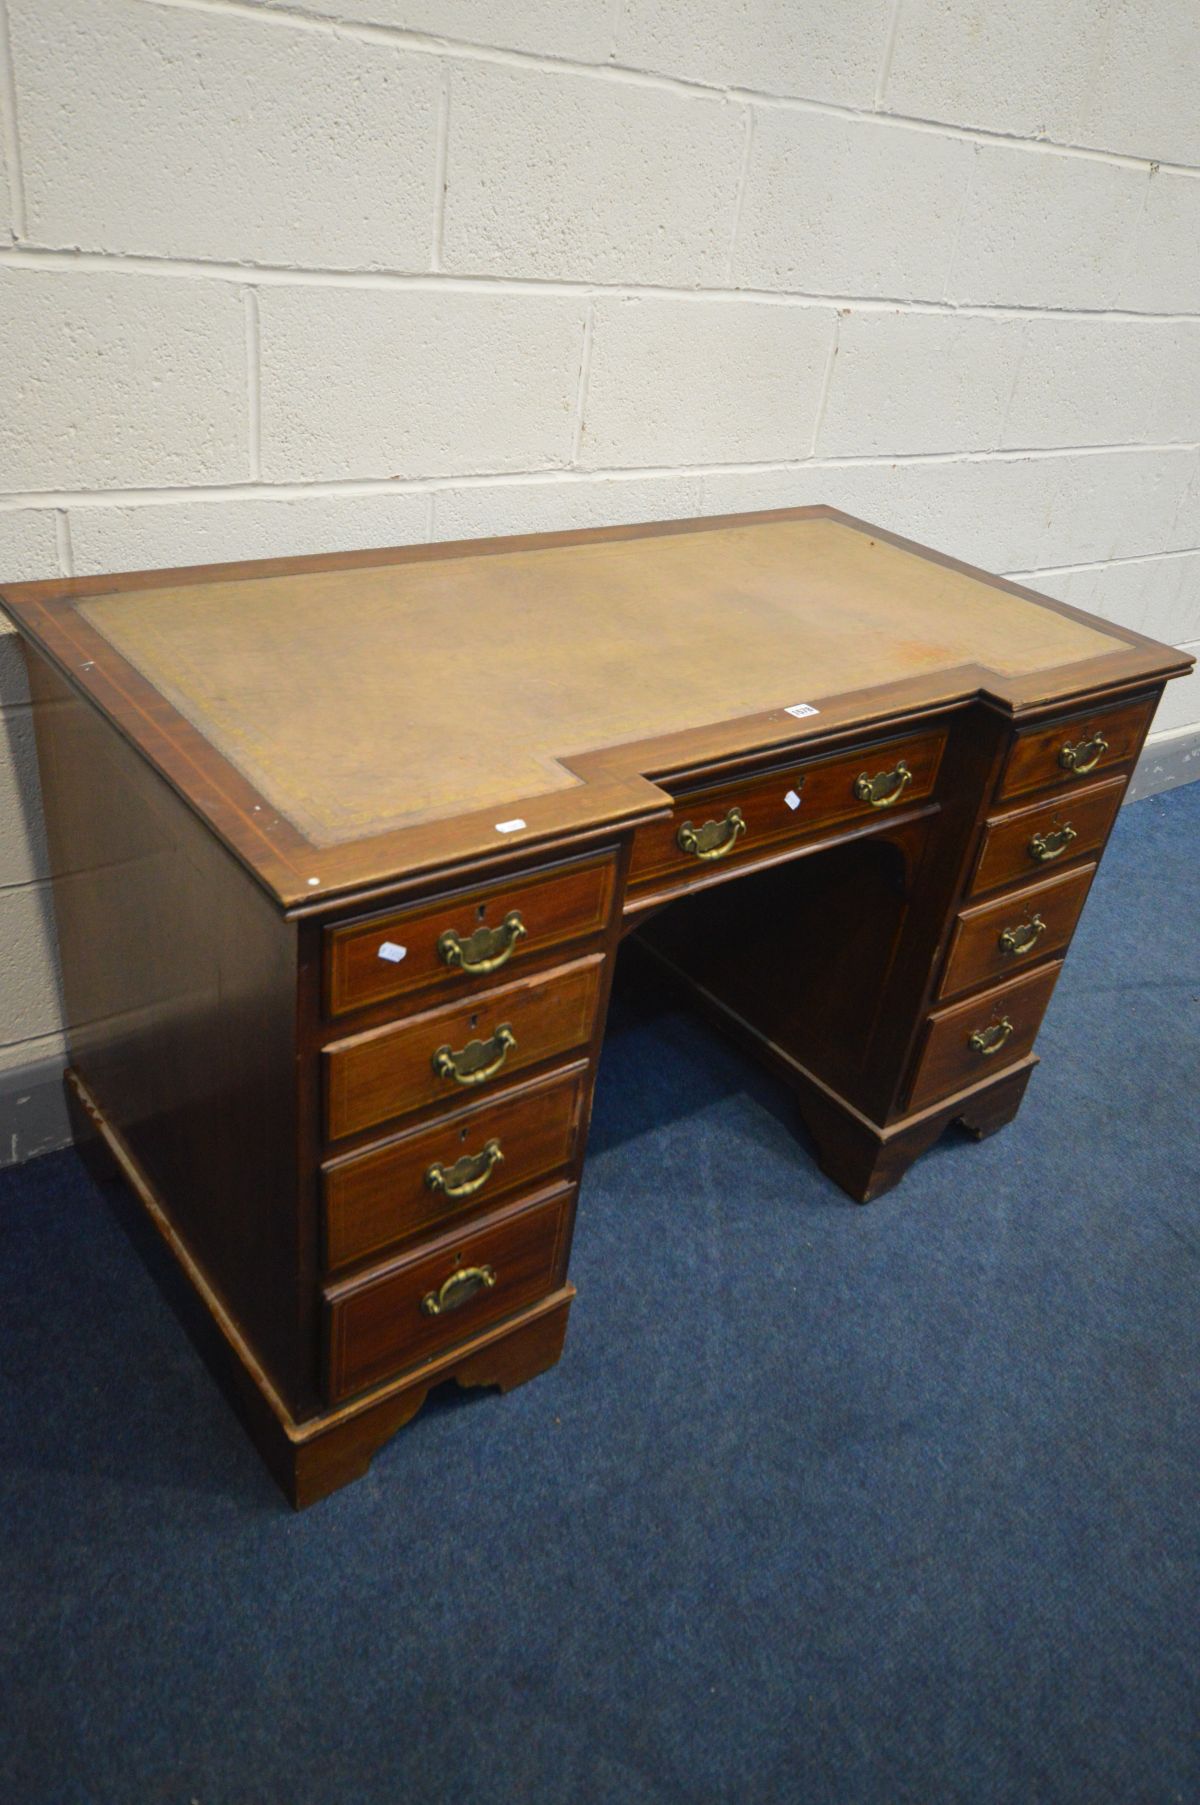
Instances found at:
x=344 y=720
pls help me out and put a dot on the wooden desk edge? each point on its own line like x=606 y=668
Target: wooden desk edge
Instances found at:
x=615 y=787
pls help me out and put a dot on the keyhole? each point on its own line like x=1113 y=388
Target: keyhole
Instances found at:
x=481 y=911
x=474 y=1021
x=462 y=1135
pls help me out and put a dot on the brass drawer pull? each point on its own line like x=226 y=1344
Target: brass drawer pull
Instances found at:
x=479 y=1059
x=458 y=1290
x=1022 y=939
x=467 y=1175
x=1044 y=847
x=1084 y=755
x=989 y=1040
x=487 y=949
x=714 y=839
x=885 y=788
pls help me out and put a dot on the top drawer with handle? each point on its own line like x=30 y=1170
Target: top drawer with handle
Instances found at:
x=740 y=819
x=1063 y=753
x=447 y=941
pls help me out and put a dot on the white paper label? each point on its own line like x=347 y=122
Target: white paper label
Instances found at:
x=800 y=709
x=792 y=800
x=392 y=953
x=509 y=827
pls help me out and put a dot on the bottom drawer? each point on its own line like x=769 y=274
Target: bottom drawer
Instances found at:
x=974 y=1039
x=409 y=1311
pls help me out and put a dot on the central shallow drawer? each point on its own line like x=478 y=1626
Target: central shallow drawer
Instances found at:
x=740 y=819
x=451 y=1168
x=407 y=1312
x=458 y=1052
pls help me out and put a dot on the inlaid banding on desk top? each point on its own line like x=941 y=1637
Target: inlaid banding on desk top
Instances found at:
x=362 y=700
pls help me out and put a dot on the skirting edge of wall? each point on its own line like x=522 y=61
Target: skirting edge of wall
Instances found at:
x=1172 y=760
x=33 y=1111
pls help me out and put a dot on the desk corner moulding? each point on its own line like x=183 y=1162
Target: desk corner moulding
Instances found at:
x=343 y=849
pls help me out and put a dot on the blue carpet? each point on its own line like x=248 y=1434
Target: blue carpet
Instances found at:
x=822 y=1504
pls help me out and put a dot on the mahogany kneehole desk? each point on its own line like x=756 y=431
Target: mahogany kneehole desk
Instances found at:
x=343 y=848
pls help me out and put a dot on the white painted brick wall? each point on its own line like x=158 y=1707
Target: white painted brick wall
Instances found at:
x=1095 y=382
x=799 y=47
x=393 y=383
x=1165 y=273
x=31 y=994
x=485 y=509
x=526 y=192
x=701 y=381
x=1115 y=75
x=113 y=382
x=215 y=532
x=580 y=29
x=920 y=382
x=1152 y=595
x=282 y=275
x=1041 y=231
x=5 y=190
x=159 y=130
x=22 y=836
x=28 y=544
x=811 y=219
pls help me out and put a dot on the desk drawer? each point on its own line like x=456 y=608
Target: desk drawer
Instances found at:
x=975 y=1039
x=411 y=1310
x=450 y=1054
x=1029 y=840
x=736 y=821
x=458 y=1165
x=1066 y=752
x=994 y=939
x=468 y=936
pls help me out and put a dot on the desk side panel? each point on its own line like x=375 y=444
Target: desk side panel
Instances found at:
x=179 y=988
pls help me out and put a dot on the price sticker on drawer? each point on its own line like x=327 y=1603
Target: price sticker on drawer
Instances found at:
x=801 y=709
x=393 y=953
